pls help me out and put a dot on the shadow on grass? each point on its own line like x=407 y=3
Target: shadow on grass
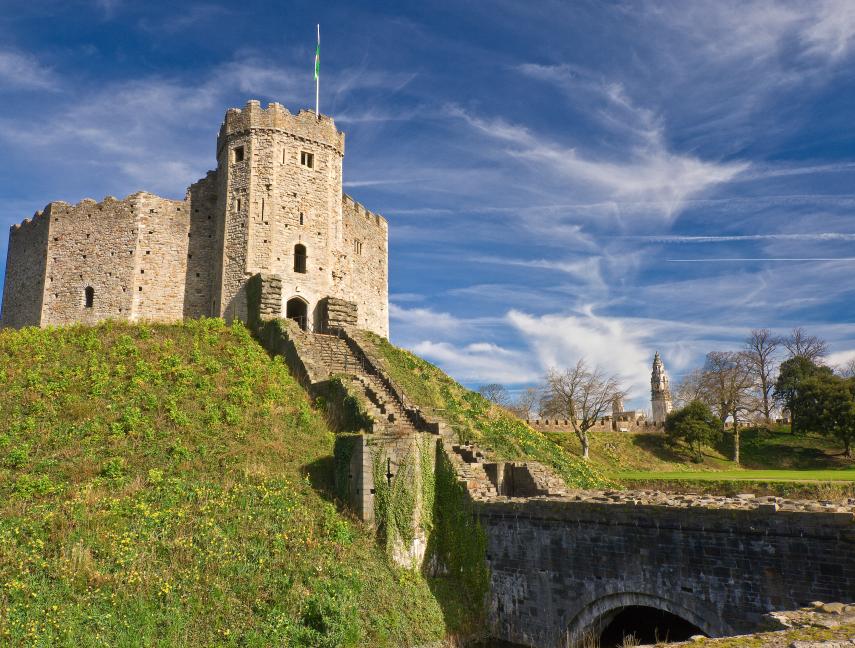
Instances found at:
x=321 y=474
x=656 y=445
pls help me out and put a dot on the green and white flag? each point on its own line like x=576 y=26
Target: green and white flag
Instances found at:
x=318 y=56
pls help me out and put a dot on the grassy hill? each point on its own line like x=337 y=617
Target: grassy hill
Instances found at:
x=155 y=490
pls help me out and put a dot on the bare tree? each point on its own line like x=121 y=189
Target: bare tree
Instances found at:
x=847 y=369
x=728 y=387
x=690 y=388
x=495 y=393
x=582 y=396
x=760 y=347
x=799 y=343
x=526 y=403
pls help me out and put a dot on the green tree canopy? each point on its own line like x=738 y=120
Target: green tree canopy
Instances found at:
x=791 y=377
x=694 y=424
x=826 y=405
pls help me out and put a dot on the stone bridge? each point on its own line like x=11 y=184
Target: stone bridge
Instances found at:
x=565 y=566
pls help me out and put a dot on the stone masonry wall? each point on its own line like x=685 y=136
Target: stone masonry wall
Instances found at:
x=26 y=262
x=561 y=565
x=201 y=247
x=283 y=202
x=361 y=274
x=161 y=268
x=91 y=245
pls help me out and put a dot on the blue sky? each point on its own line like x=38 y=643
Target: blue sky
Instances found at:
x=561 y=179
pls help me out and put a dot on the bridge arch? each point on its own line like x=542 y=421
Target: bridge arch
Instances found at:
x=595 y=616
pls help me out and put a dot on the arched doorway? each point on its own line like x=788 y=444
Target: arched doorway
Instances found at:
x=639 y=624
x=611 y=618
x=298 y=310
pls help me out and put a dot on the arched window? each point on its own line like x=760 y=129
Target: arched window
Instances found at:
x=300 y=258
x=89 y=293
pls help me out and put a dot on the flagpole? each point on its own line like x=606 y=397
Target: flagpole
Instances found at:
x=318 y=76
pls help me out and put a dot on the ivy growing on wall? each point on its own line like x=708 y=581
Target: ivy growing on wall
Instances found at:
x=394 y=502
x=458 y=542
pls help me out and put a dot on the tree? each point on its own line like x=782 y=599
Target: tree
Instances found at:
x=727 y=387
x=788 y=386
x=690 y=388
x=581 y=395
x=696 y=425
x=760 y=350
x=800 y=344
x=525 y=403
x=495 y=393
x=827 y=406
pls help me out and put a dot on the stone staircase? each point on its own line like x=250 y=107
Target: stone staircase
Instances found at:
x=337 y=357
x=469 y=464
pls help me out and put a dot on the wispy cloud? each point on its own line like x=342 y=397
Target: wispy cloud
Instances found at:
x=649 y=173
x=23 y=71
x=754 y=259
x=819 y=236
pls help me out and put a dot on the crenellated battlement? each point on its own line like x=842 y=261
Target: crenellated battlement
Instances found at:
x=358 y=208
x=305 y=125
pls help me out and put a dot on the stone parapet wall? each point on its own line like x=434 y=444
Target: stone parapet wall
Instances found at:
x=559 y=565
x=93 y=245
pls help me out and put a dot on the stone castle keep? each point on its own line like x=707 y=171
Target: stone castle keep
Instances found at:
x=273 y=206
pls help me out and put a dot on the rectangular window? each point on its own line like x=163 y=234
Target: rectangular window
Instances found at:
x=357 y=246
x=307 y=159
x=237 y=204
x=237 y=154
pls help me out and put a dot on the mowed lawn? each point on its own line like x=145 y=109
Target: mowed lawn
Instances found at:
x=843 y=474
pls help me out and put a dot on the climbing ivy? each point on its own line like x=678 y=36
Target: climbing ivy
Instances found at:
x=458 y=542
x=394 y=503
x=427 y=474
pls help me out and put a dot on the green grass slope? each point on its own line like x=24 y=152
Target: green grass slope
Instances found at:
x=154 y=491
x=474 y=419
x=774 y=462
x=760 y=449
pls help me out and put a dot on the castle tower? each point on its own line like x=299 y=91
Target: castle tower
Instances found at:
x=660 y=392
x=273 y=210
x=280 y=209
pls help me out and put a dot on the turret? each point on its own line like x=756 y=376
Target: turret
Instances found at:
x=660 y=392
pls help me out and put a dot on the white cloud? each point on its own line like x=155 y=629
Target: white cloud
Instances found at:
x=586 y=269
x=560 y=340
x=23 y=71
x=481 y=362
x=414 y=319
x=822 y=30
